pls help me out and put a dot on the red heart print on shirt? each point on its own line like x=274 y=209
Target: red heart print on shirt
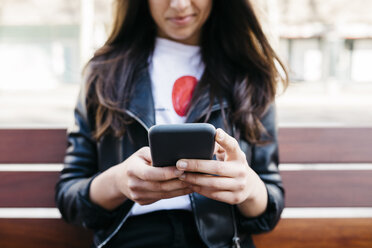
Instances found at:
x=182 y=93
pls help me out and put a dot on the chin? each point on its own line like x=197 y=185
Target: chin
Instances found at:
x=180 y=34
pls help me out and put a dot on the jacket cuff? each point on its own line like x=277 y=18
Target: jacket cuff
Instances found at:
x=267 y=220
x=94 y=216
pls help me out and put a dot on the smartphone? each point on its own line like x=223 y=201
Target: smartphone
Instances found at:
x=169 y=143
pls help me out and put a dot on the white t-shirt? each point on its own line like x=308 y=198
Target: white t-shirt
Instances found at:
x=175 y=68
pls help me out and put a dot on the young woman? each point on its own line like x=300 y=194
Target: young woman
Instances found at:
x=176 y=61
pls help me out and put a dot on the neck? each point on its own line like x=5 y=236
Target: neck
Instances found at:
x=192 y=40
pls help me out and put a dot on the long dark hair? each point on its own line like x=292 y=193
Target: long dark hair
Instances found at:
x=237 y=56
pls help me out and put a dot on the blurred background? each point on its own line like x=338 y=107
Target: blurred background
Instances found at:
x=327 y=45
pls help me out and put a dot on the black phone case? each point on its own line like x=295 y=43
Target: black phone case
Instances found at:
x=169 y=143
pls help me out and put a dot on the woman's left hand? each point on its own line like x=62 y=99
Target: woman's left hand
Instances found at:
x=230 y=180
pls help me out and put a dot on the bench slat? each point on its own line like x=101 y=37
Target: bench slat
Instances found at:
x=27 y=189
x=40 y=233
x=319 y=233
x=297 y=145
x=328 y=188
x=32 y=145
x=303 y=188
x=325 y=145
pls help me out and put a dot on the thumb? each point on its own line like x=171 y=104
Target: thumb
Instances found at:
x=145 y=154
x=229 y=144
x=219 y=152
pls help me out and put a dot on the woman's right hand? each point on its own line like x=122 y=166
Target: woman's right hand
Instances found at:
x=145 y=184
x=137 y=180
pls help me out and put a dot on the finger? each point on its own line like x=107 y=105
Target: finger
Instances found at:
x=144 y=198
x=160 y=173
x=136 y=184
x=213 y=182
x=226 y=169
x=229 y=144
x=149 y=173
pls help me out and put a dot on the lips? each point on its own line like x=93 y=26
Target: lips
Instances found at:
x=181 y=20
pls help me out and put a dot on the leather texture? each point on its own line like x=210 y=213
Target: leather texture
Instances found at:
x=86 y=158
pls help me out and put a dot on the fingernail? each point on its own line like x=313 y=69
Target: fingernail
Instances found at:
x=178 y=173
x=220 y=135
x=181 y=164
x=183 y=176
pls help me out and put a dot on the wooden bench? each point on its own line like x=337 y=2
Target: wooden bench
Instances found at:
x=327 y=174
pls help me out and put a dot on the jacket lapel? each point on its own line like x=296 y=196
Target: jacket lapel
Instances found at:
x=141 y=104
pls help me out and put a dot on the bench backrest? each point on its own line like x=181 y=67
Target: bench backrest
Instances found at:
x=327 y=174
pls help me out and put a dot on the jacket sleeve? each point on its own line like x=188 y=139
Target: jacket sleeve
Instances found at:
x=264 y=161
x=80 y=168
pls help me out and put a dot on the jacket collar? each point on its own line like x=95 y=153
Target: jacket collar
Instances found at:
x=141 y=105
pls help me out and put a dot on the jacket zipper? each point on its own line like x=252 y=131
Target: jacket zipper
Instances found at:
x=235 y=239
x=114 y=232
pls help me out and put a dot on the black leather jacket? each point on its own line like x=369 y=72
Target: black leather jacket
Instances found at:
x=86 y=158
